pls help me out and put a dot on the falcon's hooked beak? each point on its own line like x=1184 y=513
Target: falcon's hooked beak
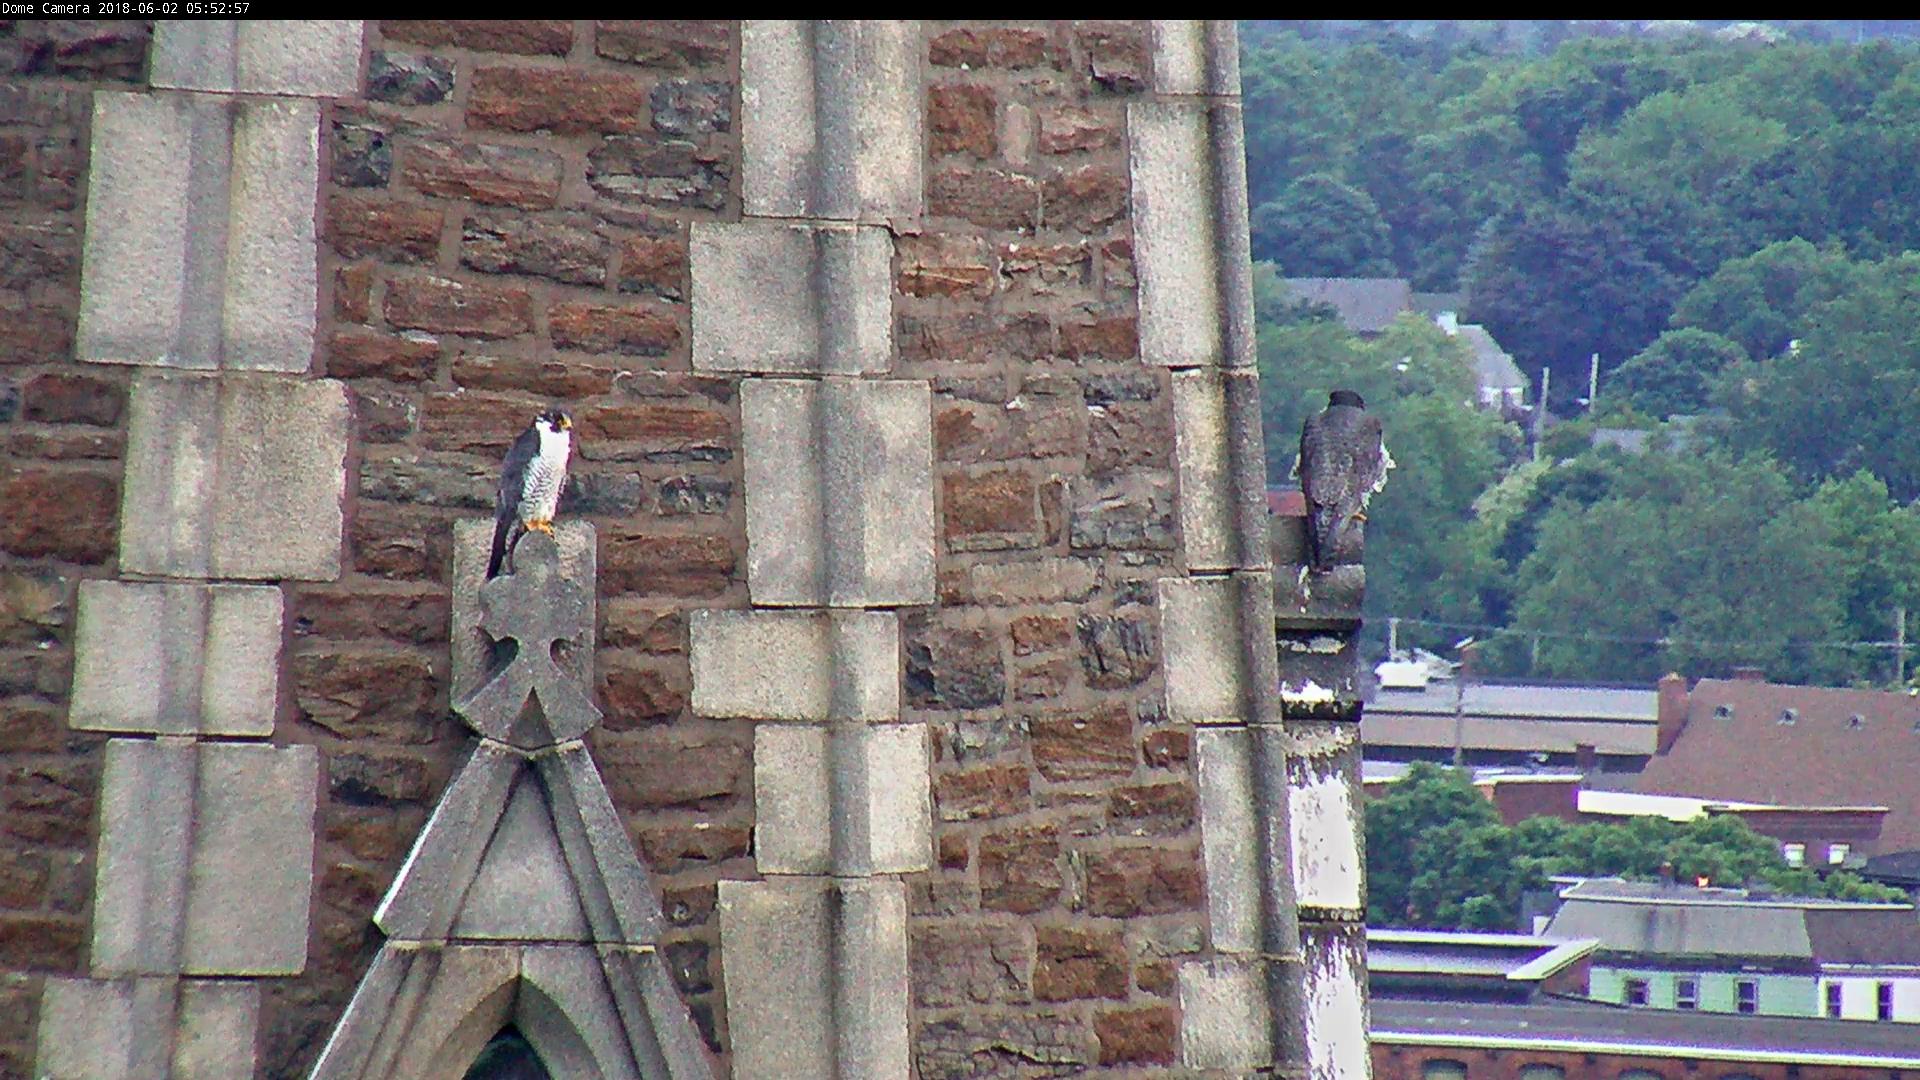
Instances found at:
x=566 y=422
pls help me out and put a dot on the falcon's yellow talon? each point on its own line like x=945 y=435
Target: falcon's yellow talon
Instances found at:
x=1360 y=515
x=542 y=525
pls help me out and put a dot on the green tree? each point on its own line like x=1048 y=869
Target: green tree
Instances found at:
x=1692 y=138
x=1676 y=373
x=1426 y=799
x=1660 y=574
x=1762 y=300
x=1320 y=227
x=1849 y=397
x=1879 y=563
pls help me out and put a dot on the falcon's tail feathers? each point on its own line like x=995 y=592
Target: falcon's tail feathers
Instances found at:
x=1323 y=533
x=501 y=527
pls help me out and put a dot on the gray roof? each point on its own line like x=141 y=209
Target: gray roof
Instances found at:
x=1670 y=919
x=1556 y=719
x=1508 y=957
x=1594 y=1028
x=1435 y=303
x=1366 y=305
x=1491 y=364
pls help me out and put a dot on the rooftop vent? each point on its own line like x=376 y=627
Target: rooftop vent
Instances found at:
x=1723 y=712
x=1856 y=720
x=1788 y=716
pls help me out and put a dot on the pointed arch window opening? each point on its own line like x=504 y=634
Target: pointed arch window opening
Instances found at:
x=508 y=1056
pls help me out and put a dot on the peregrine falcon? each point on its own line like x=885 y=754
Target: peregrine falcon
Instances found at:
x=1342 y=463
x=531 y=479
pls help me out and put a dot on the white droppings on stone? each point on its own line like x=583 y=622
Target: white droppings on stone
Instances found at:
x=1308 y=693
x=1326 y=859
x=1336 y=1019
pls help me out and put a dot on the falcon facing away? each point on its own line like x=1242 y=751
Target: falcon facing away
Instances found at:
x=531 y=479
x=1342 y=463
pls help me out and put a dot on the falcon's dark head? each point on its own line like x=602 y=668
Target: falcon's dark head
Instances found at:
x=1345 y=397
x=555 y=420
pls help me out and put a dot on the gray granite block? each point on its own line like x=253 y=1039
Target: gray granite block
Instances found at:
x=1223 y=1016
x=831 y=123
x=773 y=297
x=839 y=491
x=308 y=58
x=844 y=799
x=234 y=476
x=176 y=659
x=787 y=665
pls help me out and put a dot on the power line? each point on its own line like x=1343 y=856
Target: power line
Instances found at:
x=1663 y=642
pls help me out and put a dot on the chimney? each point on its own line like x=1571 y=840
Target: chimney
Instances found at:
x=1749 y=674
x=1672 y=710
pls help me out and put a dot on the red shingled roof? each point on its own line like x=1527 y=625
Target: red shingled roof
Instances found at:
x=1843 y=748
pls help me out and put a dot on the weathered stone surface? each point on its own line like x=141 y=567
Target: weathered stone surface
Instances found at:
x=853 y=525
x=312 y=58
x=1129 y=881
x=522 y=176
x=565 y=101
x=996 y=1044
x=278 y=448
x=832 y=125
x=526 y=37
x=523 y=890
x=796 y=665
x=176 y=659
x=972 y=963
x=882 y=826
x=1204 y=404
x=577 y=559
x=68 y=515
x=225 y=276
x=950 y=666
x=1072 y=963
x=650 y=171
x=1115 y=650
x=1223 y=1009
x=1228 y=838
x=987 y=792
x=1200 y=632
x=1323 y=779
x=1125 y=511
x=565 y=247
x=1020 y=869
x=95 y=1030
x=775 y=297
x=1335 y=998
x=1195 y=56
x=1083 y=745
x=206 y=859
x=1173 y=229
x=77 y=49
x=776 y=938
x=403 y=79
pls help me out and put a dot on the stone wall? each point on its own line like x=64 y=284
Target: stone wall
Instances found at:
x=62 y=436
x=911 y=373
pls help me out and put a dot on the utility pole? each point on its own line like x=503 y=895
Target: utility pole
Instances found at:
x=1900 y=645
x=1593 y=383
x=1460 y=703
x=1540 y=409
x=1393 y=637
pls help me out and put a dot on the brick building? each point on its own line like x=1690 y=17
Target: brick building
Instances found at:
x=914 y=569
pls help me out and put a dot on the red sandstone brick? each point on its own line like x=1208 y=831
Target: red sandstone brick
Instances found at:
x=385 y=697
x=66 y=445
x=551 y=378
x=73 y=516
x=59 y=398
x=355 y=353
x=1167 y=748
x=665 y=564
x=671 y=848
x=1020 y=869
x=32 y=942
x=353 y=294
x=1116 y=55
x=442 y=306
x=657 y=423
x=531 y=37
x=36 y=335
x=1115 y=337
x=943 y=265
x=27 y=729
x=1040 y=633
x=960 y=120
x=1003 y=47
x=519 y=176
x=1155 y=975
x=951 y=851
x=1072 y=963
x=409 y=617
x=1067 y=129
x=1086 y=199
x=565 y=101
x=23 y=877
x=989 y=198
x=993 y=502
x=669 y=44
x=376 y=837
x=359 y=226
x=392 y=541
x=655 y=264
x=988 y=792
x=1152 y=809
x=632 y=329
x=472 y=422
x=1146 y=1036
x=635 y=624
x=641 y=696
x=1125 y=882
x=50 y=803
x=1083 y=745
